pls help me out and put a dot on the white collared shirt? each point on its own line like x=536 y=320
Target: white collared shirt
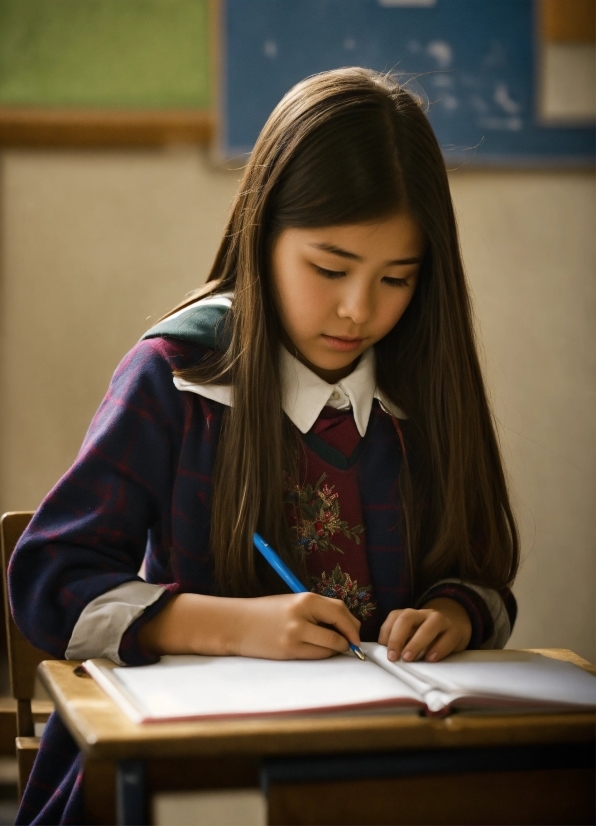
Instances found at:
x=304 y=394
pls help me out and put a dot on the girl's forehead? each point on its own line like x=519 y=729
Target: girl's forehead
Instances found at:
x=394 y=233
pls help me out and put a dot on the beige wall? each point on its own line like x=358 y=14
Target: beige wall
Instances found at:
x=94 y=243
x=528 y=242
x=94 y=247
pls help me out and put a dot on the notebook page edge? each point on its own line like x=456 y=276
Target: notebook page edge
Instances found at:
x=102 y=672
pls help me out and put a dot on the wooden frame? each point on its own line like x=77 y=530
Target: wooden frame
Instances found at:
x=72 y=127
x=32 y=126
x=567 y=21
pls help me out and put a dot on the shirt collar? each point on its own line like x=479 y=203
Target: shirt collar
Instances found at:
x=304 y=394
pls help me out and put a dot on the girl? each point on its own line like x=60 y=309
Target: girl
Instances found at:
x=323 y=389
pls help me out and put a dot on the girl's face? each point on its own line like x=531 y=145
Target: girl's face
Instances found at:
x=338 y=290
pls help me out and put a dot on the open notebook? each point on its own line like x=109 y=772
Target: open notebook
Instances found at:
x=197 y=687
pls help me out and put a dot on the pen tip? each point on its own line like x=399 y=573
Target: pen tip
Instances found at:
x=359 y=653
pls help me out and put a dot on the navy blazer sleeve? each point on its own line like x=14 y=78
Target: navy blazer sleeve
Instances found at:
x=90 y=533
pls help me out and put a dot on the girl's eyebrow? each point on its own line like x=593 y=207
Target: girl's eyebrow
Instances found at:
x=352 y=255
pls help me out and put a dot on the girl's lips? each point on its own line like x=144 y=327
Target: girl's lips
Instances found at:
x=343 y=344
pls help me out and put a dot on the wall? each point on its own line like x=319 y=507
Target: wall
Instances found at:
x=95 y=243
x=528 y=242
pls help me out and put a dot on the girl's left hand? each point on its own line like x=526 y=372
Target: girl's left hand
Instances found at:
x=440 y=628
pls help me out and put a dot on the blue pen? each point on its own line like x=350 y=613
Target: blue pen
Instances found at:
x=288 y=577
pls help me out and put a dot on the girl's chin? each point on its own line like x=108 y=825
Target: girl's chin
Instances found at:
x=331 y=367
x=328 y=363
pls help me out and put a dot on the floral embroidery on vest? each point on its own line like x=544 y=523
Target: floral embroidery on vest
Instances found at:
x=340 y=586
x=317 y=517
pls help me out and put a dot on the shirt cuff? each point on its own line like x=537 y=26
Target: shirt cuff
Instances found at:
x=102 y=623
x=131 y=652
x=491 y=613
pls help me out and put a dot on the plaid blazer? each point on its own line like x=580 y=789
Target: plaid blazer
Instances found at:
x=140 y=490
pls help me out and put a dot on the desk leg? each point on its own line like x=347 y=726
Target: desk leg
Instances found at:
x=131 y=797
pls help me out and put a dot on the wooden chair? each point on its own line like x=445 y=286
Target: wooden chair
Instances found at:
x=23 y=659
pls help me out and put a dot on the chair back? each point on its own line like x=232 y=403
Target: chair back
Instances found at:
x=23 y=658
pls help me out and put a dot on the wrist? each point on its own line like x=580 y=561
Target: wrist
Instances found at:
x=194 y=624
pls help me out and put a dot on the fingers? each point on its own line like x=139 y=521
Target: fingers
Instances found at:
x=387 y=626
x=306 y=651
x=427 y=635
x=325 y=638
x=444 y=645
x=293 y=626
x=404 y=628
x=334 y=612
x=411 y=634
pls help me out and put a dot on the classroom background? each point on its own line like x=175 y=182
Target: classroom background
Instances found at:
x=119 y=157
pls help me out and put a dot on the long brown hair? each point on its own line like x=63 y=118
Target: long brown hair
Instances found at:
x=342 y=147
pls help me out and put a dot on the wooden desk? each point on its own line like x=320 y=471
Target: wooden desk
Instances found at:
x=462 y=764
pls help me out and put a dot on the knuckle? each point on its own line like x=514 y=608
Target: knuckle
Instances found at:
x=292 y=630
x=436 y=618
x=341 y=606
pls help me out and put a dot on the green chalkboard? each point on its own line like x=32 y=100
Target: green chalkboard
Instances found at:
x=105 y=53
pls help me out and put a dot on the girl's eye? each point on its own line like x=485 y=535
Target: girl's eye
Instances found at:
x=396 y=282
x=329 y=273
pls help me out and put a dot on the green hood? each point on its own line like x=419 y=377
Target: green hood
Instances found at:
x=200 y=323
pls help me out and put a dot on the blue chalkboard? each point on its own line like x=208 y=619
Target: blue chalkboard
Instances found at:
x=473 y=60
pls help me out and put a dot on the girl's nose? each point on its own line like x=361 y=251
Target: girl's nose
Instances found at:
x=355 y=304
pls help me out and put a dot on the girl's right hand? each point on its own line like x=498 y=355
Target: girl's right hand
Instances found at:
x=281 y=627
x=295 y=627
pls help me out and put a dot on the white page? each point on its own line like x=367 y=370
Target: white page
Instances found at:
x=514 y=675
x=197 y=686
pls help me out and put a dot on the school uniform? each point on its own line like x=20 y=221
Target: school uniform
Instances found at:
x=140 y=492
